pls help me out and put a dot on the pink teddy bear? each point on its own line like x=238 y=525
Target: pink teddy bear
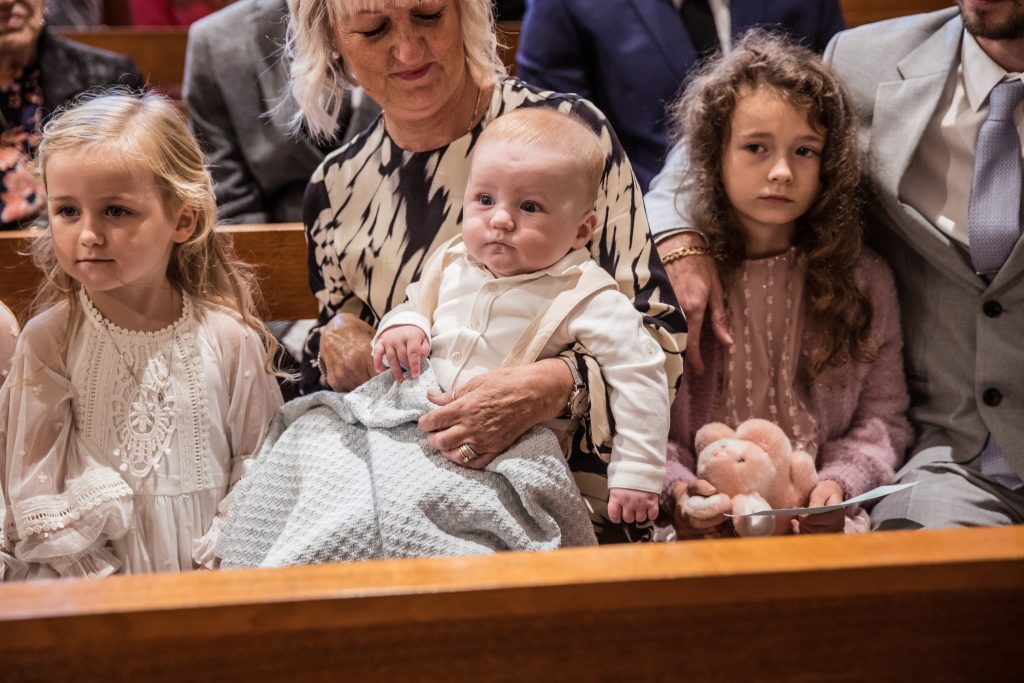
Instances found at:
x=753 y=468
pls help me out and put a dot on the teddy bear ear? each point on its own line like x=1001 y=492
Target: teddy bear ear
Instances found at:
x=711 y=432
x=766 y=434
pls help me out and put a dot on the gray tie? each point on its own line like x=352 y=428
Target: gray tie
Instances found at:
x=993 y=214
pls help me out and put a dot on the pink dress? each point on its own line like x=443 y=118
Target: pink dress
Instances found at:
x=853 y=419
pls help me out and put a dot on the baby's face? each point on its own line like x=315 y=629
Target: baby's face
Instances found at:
x=525 y=208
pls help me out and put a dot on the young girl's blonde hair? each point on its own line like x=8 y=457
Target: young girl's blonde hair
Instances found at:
x=147 y=131
x=829 y=234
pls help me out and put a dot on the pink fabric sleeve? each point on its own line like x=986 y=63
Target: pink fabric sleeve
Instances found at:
x=873 y=446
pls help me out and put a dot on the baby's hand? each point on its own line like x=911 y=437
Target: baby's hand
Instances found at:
x=629 y=505
x=405 y=346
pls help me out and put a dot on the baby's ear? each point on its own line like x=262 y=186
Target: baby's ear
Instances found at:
x=585 y=229
x=187 y=221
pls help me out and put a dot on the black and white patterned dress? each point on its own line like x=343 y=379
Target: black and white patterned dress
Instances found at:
x=374 y=213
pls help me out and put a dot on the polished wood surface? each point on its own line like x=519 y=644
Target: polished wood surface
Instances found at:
x=926 y=605
x=859 y=12
x=277 y=250
x=159 y=52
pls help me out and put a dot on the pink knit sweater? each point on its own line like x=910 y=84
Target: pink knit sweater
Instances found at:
x=863 y=430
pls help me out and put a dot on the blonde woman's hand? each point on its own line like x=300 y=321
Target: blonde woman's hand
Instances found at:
x=492 y=410
x=345 y=356
x=699 y=292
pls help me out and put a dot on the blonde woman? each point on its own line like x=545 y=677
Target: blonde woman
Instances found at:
x=378 y=207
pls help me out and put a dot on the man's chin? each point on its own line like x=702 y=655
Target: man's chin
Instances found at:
x=1004 y=22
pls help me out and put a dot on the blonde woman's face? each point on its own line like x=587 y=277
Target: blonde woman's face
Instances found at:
x=409 y=57
x=20 y=24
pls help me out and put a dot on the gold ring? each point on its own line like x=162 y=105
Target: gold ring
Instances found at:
x=467 y=453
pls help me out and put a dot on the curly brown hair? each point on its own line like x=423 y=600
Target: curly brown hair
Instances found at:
x=828 y=236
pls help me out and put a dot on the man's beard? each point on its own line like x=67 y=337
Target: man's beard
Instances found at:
x=986 y=25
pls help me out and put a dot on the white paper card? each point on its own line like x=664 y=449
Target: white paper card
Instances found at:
x=870 y=495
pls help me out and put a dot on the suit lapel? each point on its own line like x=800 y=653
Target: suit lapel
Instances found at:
x=902 y=111
x=662 y=21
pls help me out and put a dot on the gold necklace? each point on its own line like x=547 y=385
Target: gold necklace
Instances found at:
x=476 y=110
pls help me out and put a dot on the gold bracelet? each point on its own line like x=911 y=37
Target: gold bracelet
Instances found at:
x=677 y=254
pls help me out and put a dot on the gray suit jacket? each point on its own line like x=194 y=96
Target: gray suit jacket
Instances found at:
x=234 y=78
x=964 y=355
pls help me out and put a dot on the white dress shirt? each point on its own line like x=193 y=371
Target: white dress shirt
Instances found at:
x=938 y=180
x=723 y=20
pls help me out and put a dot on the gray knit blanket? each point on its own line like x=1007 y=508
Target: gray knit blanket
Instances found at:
x=350 y=477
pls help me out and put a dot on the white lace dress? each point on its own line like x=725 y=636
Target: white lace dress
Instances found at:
x=119 y=449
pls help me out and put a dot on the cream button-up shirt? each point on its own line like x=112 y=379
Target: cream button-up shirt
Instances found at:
x=479 y=320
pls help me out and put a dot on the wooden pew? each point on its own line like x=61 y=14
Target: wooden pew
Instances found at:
x=159 y=52
x=859 y=12
x=280 y=251
x=908 y=606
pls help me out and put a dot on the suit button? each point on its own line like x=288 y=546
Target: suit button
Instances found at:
x=992 y=308
x=992 y=397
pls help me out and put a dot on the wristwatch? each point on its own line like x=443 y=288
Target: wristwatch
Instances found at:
x=579 y=397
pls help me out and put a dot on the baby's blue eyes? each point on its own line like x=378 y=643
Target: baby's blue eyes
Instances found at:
x=486 y=200
x=530 y=207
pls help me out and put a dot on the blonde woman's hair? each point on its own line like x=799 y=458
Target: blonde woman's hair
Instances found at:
x=318 y=73
x=553 y=131
x=147 y=131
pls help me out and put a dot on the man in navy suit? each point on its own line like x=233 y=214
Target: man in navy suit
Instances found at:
x=631 y=57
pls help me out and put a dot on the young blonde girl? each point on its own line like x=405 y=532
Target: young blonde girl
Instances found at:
x=144 y=384
x=813 y=315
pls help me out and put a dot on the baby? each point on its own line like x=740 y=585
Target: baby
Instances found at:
x=520 y=285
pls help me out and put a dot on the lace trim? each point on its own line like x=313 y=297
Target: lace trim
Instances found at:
x=40 y=514
x=138 y=335
x=199 y=405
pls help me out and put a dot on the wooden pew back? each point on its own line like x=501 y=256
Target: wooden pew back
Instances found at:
x=939 y=605
x=278 y=250
x=159 y=52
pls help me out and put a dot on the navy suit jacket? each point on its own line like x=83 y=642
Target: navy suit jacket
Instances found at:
x=630 y=57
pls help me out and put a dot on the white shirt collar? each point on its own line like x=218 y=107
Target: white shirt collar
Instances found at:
x=724 y=3
x=981 y=73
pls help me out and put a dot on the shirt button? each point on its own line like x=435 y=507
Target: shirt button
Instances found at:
x=476 y=325
x=992 y=397
x=491 y=287
x=992 y=308
x=457 y=356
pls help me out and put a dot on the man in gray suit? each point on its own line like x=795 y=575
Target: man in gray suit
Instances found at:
x=922 y=87
x=235 y=77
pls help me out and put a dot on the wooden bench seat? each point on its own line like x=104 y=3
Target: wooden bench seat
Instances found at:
x=908 y=606
x=280 y=249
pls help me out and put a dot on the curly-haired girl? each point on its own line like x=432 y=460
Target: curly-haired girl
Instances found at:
x=814 y=318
